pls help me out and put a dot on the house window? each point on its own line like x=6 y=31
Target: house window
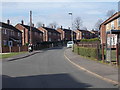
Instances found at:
x=83 y=34
x=5 y=42
x=119 y=21
x=112 y=25
x=49 y=39
x=49 y=33
x=40 y=34
x=18 y=34
x=107 y=27
x=5 y=31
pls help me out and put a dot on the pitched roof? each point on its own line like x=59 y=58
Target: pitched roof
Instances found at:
x=32 y=28
x=4 y=25
x=50 y=30
x=114 y=16
x=83 y=30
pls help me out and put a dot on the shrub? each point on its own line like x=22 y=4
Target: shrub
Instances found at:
x=90 y=40
x=84 y=51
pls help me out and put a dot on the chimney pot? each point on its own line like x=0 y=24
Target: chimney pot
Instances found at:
x=43 y=25
x=61 y=27
x=33 y=25
x=52 y=27
x=8 y=22
x=69 y=28
x=22 y=22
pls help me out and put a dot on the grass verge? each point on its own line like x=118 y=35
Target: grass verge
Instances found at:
x=8 y=55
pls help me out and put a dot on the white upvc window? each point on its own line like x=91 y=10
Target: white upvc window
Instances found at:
x=112 y=25
x=5 y=31
x=5 y=42
x=107 y=27
x=49 y=39
x=119 y=21
x=83 y=34
x=18 y=34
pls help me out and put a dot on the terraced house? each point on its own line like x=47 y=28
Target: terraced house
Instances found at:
x=111 y=26
x=50 y=34
x=83 y=34
x=36 y=35
x=10 y=36
x=66 y=34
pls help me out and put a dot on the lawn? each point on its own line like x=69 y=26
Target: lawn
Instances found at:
x=8 y=55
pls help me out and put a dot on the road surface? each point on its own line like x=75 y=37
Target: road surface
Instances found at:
x=48 y=69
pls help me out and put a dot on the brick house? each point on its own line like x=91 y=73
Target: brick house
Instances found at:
x=83 y=34
x=96 y=34
x=66 y=34
x=37 y=36
x=10 y=36
x=112 y=23
x=50 y=34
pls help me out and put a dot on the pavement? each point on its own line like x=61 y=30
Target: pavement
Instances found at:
x=102 y=71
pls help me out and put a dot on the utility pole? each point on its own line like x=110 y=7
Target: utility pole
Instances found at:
x=30 y=28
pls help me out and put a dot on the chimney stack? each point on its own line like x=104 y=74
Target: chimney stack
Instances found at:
x=22 y=22
x=61 y=27
x=69 y=28
x=33 y=25
x=8 y=22
x=52 y=26
x=43 y=25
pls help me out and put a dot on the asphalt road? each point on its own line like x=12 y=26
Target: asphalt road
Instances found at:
x=48 y=69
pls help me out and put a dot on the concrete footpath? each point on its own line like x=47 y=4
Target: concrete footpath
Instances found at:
x=102 y=71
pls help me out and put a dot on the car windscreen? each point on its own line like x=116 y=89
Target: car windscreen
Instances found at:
x=69 y=43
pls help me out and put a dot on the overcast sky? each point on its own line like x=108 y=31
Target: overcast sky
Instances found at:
x=57 y=11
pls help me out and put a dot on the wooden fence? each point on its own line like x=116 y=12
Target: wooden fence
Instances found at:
x=88 y=44
x=14 y=49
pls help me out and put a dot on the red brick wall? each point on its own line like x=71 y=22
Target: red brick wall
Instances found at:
x=103 y=34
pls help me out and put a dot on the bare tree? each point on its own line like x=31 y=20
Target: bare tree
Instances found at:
x=110 y=12
x=77 y=23
x=39 y=24
x=98 y=23
x=53 y=25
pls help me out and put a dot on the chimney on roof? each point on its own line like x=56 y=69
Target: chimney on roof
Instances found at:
x=8 y=22
x=61 y=27
x=43 y=25
x=22 y=22
x=33 y=25
x=69 y=28
x=52 y=26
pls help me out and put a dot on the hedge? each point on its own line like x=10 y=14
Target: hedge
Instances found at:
x=90 y=40
x=87 y=52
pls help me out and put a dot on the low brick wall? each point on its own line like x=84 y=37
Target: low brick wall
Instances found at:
x=14 y=49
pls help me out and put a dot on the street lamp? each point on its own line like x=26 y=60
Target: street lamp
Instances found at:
x=70 y=13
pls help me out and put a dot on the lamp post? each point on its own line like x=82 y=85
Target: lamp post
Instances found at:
x=70 y=13
x=30 y=28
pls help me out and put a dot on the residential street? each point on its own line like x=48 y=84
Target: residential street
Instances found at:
x=48 y=69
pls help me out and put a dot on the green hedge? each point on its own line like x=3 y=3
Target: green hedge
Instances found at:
x=87 y=52
x=90 y=40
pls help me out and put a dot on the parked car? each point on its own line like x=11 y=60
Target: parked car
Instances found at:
x=70 y=44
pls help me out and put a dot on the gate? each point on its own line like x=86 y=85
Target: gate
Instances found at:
x=113 y=46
